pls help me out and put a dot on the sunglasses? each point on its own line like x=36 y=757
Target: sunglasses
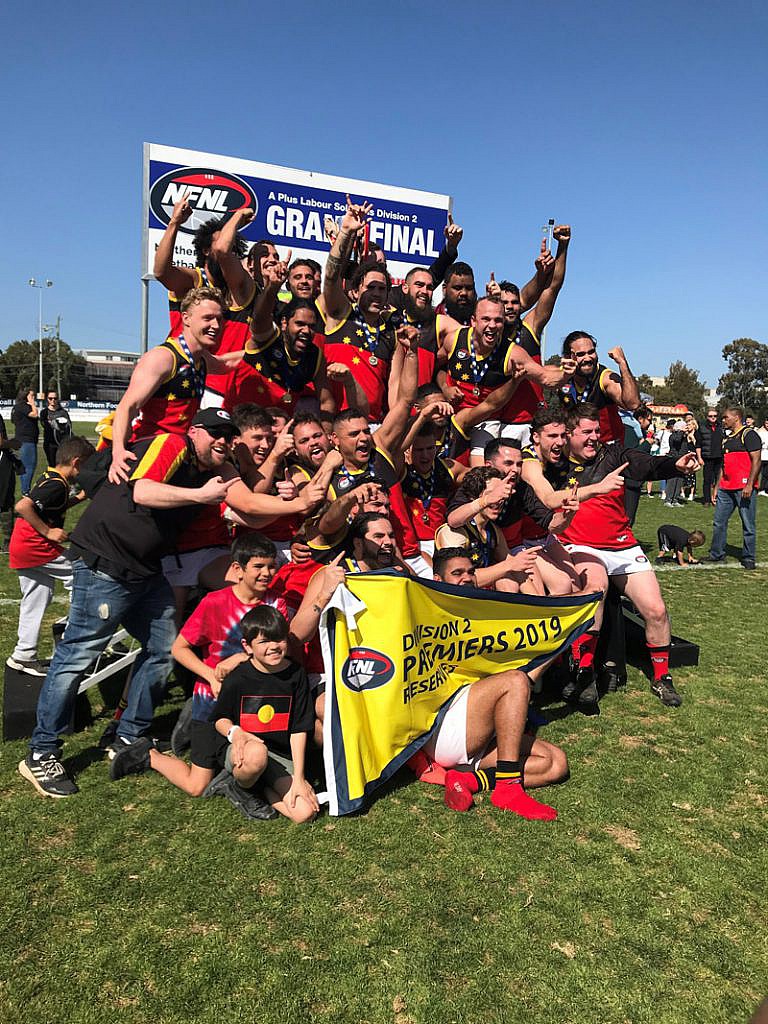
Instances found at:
x=219 y=433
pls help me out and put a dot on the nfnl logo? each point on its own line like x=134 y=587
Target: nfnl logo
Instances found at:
x=365 y=669
x=210 y=194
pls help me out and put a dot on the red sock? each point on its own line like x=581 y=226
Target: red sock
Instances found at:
x=587 y=649
x=509 y=795
x=426 y=770
x=459 y=787
x=659 y=660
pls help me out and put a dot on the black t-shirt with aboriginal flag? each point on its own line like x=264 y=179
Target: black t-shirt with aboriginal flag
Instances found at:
x=270 y=705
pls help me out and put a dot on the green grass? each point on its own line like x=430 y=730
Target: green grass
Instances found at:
x=644 y=902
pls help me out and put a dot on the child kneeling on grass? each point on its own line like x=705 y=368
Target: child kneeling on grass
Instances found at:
x=674 y=540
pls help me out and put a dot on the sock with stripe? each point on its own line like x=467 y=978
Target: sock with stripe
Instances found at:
x=509 y=794
x=659 y=661
x=460 y=786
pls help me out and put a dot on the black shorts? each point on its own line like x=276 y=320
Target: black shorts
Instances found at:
x=209 y=748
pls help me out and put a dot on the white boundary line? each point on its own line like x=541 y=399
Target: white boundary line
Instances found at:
x=707 y=565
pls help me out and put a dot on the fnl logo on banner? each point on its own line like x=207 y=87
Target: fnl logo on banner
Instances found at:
x=290 y=207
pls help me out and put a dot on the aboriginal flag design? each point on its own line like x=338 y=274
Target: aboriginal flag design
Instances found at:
x=265 y=714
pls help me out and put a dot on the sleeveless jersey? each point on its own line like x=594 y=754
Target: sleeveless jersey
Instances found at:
x=529 y=396
x=489 y=372
x=172 y=407
x=480 y=543
x=426 y=498
x=611 y=427
x=268 y=376
x=237 y=328
x=367 y=351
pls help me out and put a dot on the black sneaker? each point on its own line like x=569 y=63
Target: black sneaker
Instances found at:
x=181 y=737
x=35 y=667
x=714 y=558
x=249 y=803
x=132 y=759
x=48 y=775
x=108 y=736
x=119 y=744
x=665 y=690
x=749 y=565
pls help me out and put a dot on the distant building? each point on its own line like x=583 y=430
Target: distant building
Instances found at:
x=107 y=372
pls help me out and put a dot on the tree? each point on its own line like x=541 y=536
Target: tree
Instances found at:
x=19 y=368
x=746 y=381
x=645 y=384
x=681 y=387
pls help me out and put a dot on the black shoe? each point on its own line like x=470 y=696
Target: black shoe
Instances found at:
x=749 y=565
x=586 y=686
x=34 y=667
x=713 y=558
x=109 y=734
x=181 y=737
x=609 y=678
x=132 y=760
x=249 y=804
x=119 y=744
x=48 y=775
x=665 y=690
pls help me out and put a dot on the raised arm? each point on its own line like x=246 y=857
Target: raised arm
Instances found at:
x=532 y=290
x=152 y=370
x=240 y=283
x=338 y=373
x=405 y=363
x=453 y=235
x=176 y=279
x=336 y=305
x=623 y=392
x=540 y=315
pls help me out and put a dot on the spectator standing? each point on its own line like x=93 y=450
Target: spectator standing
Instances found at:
x=663 y=449
x=25 y=417
x=57 y=426
x=9 y=465
x=689 y=445
x=709 y=448
x=676 y=449
x=762 y=433
x=738 y=487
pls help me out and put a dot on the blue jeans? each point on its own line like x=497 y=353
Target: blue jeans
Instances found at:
x=28 y=456
x=727 y=502
x=99 y=605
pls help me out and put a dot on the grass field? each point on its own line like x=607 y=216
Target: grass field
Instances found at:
x=644 y=902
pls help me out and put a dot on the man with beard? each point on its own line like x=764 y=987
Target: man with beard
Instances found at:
x=601 y=531
x=359 y=334
x=596 y=385
x=478 y=360
x=168 y=382
x=284 y=365
x=481 y=740
x=459 y=295
x=117 y=548
x=526 y=332
x=217 y=244
x=373 y=545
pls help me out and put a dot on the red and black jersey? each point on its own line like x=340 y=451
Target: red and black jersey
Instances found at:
x=529 y=395
x=426 y=497
x=427 y=351
x=520 y=510
x=207 y=530
x=172 y=407
x=237 y=328
x=367 y=351
x=268 y=375
x=737 y=462
x=28 y=548
x=475 y=376
x=611 y=426
x=480 y=542
x=601 y=521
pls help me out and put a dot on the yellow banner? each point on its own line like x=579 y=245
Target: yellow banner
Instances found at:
x=396 y=649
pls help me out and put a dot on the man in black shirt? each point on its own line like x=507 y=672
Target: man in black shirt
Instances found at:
x=116 y=551
x=709 y=448
x=57 y=426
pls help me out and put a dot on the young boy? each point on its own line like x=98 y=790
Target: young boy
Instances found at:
x=674 y=540
x=265 y=711
x=36 y=550
x=210 y=646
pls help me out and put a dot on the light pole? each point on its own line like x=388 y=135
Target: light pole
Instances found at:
x=45 y=284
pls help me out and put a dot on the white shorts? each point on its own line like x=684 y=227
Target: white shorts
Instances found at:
x=419 y=567
x=448 y=744
x=617 y=563
x=487 y=431
x=427 y=547
x=182 y=570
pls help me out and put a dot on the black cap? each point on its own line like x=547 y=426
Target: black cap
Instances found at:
x=217 y=422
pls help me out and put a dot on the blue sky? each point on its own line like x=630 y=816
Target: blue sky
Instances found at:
x=641 y=125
